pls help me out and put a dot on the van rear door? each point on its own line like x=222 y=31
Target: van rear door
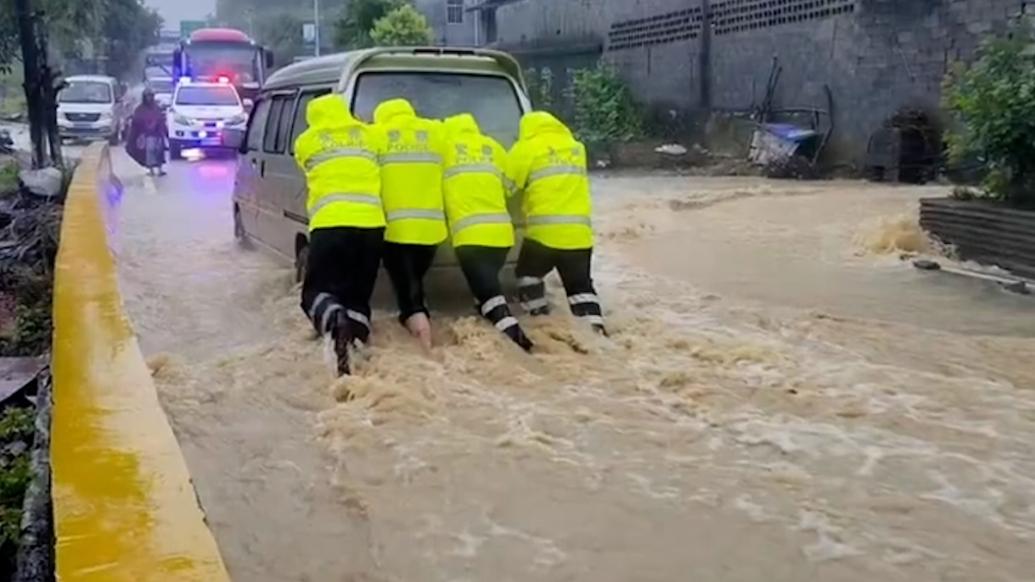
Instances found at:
x=493 y=98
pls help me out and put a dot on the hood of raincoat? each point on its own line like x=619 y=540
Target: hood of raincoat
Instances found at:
x=462 y=124
x=393 y=108
x=327 y=110
x=539 y=123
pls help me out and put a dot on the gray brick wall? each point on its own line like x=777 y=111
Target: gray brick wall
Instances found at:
x=886 y=55
x=877 y=56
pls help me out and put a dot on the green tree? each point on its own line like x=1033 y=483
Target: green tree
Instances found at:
x=128 y=28
x=604 y=108
x=540 y=87
x=8 y=37
x=281 y=33
x=67 y=23
x=403 y=26
x=993 y=101
x=353 y=29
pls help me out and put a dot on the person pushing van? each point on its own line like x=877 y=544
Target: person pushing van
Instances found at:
x=481 y=227
x=411 y=188
x=549 y=165
x=339 y=156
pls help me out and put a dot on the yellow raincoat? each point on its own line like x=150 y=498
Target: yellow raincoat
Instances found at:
x=475 y=198
x=549 y=165
x=411 y=175
x=339 y=156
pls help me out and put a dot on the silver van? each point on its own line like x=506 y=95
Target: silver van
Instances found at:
x=270 y=190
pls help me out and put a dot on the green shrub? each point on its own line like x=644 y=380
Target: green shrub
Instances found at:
x=540 y=87
x=404 y=26
x=993 y=101
x=8 y=177
x=352 y=30
x=16 y=424
x=604 y=108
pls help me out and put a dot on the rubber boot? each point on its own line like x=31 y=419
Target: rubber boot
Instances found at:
x=419 y=327
x=517 y=335
x=342 y=336
x=601 y=330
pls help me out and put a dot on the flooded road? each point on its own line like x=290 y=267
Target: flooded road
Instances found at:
x=781 y=399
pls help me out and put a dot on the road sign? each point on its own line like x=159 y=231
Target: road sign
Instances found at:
x=309 y=32
x=189 y=26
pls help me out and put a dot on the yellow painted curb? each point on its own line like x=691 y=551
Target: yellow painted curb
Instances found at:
x=124 y=505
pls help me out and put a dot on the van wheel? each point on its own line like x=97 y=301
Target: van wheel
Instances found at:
x=301 y=263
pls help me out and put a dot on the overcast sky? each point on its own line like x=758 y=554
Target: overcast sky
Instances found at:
x=173 y=11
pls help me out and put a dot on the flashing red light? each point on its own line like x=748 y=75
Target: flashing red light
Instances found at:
x=224 y=80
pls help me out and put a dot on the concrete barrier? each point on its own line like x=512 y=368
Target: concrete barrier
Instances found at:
x=124 y=505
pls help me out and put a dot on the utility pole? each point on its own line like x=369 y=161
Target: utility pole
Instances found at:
x=316 y=20
x=705 y=55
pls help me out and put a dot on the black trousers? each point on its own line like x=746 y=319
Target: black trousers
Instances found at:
x=481 y=267
x=536 y=260
x=342 y=271
x=407 y=265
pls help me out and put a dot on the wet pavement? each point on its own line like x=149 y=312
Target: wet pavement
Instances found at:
x=782 y=398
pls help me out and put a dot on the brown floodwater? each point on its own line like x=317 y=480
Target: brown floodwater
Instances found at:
x=782 y=398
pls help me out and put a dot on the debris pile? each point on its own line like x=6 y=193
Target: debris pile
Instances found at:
x=29 y=231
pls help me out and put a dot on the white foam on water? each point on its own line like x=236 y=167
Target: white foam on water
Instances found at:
x=763 y=383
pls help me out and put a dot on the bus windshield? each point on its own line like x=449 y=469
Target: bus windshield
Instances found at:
x=238 y=62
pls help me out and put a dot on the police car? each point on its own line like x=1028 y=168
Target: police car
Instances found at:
x=201 y=112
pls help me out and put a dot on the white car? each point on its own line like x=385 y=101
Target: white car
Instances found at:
x=200 y=113
x=90 y=107
x=162 y=87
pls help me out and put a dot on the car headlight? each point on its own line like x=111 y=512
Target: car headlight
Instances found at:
x=239 y=119
x=182 y=120
x=105 y=116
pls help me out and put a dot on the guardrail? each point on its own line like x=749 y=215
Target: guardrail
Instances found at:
x=124 y=505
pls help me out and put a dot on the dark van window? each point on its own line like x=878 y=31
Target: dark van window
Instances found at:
x=258 y=123
x=273 y=124
x=301 y=124
x=491 y=99
x=284 y=127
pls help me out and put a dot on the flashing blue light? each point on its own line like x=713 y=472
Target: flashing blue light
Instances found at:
x=185 y=80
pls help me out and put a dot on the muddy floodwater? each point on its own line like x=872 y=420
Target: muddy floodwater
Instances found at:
x=782 y=399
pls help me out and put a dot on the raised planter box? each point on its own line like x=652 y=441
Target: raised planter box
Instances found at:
x=983 y=231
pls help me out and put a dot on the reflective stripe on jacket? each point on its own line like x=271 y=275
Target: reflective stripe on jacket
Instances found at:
x=475 y=198
x=339 y=156
x=549 y=165
x=411 y=175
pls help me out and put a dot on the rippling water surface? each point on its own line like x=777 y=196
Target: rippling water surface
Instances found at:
x=782 y=398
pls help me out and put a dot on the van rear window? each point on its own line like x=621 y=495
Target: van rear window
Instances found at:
x=491 y=99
